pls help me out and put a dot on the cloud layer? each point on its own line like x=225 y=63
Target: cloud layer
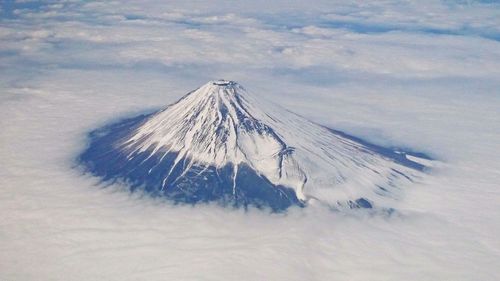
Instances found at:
x=419 y=74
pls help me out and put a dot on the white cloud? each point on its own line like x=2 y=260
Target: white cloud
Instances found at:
x=66 y=69
x=403 y=48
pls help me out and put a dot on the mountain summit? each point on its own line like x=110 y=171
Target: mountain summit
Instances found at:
x=221 y=143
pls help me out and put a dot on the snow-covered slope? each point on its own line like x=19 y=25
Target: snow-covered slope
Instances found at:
x=220 y=142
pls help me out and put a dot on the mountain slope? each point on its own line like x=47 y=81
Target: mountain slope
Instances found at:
x=220 y=143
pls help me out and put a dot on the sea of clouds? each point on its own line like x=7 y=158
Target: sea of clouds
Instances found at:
x=423 y=75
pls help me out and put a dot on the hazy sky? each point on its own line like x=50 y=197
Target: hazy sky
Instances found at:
x=418 y=74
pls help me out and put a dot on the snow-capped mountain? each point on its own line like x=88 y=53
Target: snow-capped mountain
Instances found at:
x=221 y=143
